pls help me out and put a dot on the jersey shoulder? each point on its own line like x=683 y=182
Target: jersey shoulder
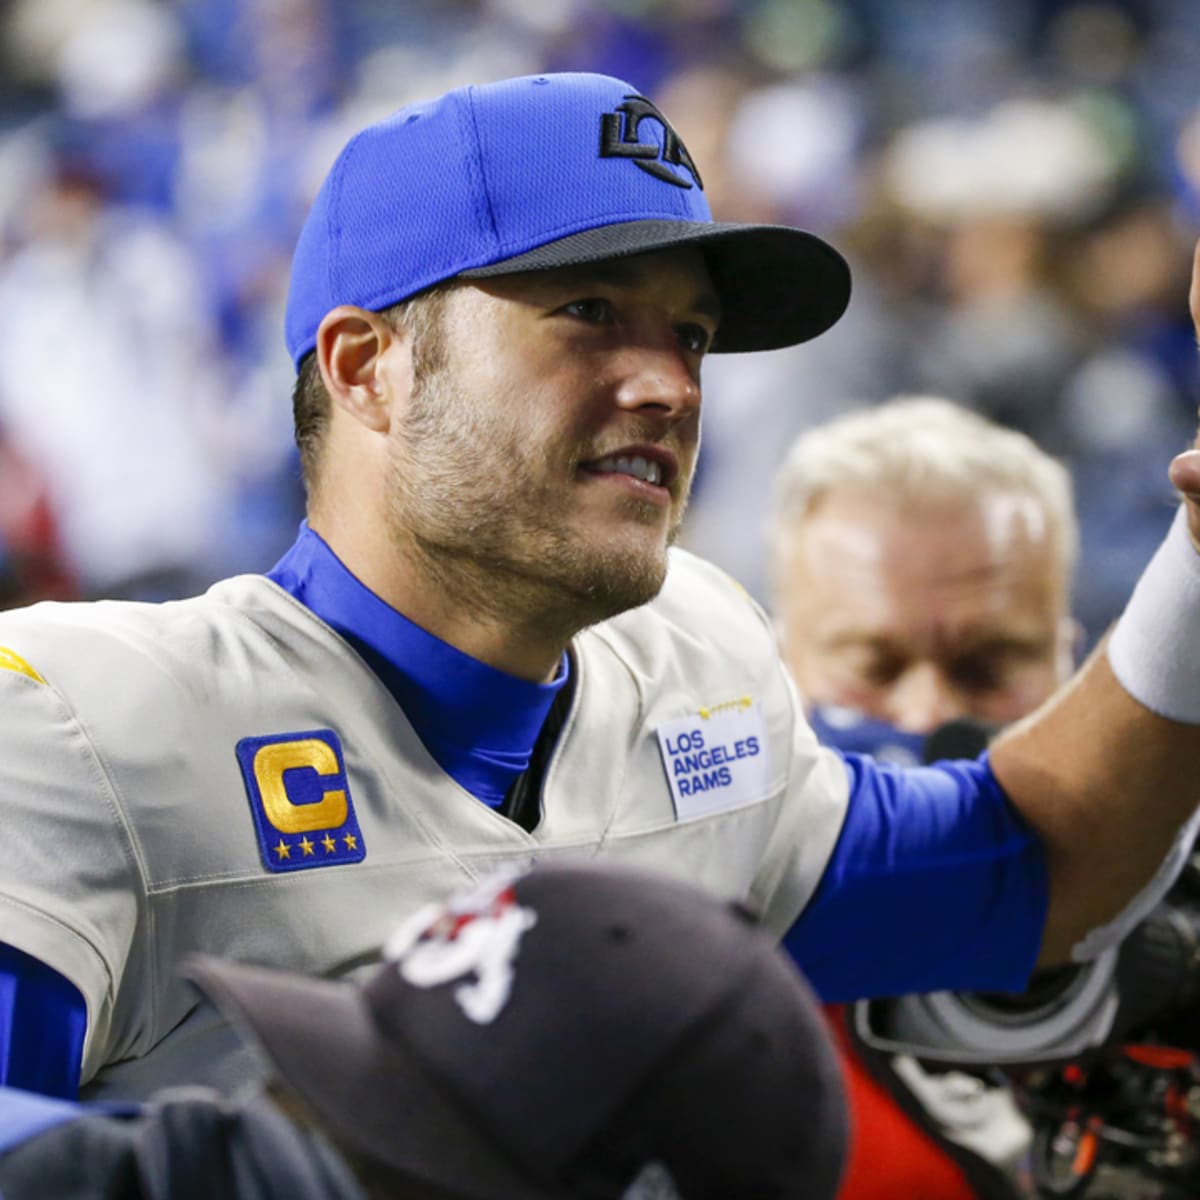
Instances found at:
x=106 y=647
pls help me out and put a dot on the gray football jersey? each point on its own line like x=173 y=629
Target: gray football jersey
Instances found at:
x=224 y=774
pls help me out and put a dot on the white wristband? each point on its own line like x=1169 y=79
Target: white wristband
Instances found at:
x=1154 y=650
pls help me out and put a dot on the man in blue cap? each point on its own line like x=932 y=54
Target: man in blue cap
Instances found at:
x=481 y=648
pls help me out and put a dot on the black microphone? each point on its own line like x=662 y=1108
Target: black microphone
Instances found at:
x=960 y=738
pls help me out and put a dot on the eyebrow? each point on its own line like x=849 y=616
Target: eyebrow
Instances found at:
x=987 y=643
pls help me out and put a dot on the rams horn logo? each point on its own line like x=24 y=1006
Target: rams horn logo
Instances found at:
x=619 y=132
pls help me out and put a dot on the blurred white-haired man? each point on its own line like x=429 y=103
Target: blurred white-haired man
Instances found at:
x=921 y=560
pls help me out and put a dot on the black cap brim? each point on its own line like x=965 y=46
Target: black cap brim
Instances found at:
x=777 y=286
x=374 y=1097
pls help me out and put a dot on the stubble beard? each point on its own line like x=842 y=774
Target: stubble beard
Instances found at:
x=478 y=503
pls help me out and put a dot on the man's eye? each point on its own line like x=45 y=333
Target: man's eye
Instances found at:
x=592 y=309
x=872 y=668
x=979 y=674
x=881 y=671
x=694 y=338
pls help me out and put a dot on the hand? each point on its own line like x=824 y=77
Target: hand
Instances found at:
x=1184 y=471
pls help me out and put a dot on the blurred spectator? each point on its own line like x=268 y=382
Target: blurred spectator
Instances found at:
x=31 y=563
x=1133 y=393
x=920 y=567
x=108 y=381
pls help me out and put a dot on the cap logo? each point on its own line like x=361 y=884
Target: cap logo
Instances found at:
x=619 y=138
x=476 y=935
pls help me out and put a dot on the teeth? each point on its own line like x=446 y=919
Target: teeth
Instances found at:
x=637 y=466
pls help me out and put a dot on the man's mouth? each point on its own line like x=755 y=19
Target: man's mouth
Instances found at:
x=647 y=466
x=637 y=466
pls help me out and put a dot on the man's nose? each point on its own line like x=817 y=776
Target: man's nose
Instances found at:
x=923 y=698
x=659 y=376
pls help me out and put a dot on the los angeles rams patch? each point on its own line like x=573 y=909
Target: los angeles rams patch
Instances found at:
x=716 y=758
x=300 y=800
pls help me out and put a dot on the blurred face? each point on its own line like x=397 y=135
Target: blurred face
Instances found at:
x=920 y=616
x=550 y=451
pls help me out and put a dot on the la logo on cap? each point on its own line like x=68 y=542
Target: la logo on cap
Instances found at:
x=619 y=138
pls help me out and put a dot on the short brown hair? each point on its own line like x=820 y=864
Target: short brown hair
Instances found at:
x=420 y=317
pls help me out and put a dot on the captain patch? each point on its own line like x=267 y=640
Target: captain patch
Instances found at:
x=716 y=758
x=300 y=800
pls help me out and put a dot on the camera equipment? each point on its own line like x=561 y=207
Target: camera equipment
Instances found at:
x=1104 y=1058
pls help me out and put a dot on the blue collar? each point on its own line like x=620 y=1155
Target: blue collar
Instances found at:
x=478 y=723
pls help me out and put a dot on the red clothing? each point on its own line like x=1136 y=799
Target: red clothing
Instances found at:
x=890 y=1157
x=32 y=566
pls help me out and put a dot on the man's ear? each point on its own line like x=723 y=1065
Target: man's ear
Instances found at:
x=351 y=343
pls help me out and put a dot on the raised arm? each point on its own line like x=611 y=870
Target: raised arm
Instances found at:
x=1104 y=778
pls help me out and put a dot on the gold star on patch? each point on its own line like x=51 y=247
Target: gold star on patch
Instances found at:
x=351 y=841
x=283 y=849
x=306 y=846
x=329 y=844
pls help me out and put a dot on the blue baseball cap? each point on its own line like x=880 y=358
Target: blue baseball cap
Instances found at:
x=533 y=173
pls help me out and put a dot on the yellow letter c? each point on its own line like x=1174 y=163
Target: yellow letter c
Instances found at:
x=270 y=762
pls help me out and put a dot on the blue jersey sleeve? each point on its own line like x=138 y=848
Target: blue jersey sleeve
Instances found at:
x=936 y=882
x=43 y=1019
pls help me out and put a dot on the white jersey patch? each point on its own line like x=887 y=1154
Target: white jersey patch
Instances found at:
x=716 y=759
x=477 y=934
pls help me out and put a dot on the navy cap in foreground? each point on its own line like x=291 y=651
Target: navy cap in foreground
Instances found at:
x=578 y=1031
x=536 y=172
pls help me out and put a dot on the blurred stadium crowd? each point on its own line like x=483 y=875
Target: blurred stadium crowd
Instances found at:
x=1016 y=183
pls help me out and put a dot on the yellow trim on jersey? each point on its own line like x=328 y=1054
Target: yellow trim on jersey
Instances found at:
x=10 y=660
x=741 y=703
